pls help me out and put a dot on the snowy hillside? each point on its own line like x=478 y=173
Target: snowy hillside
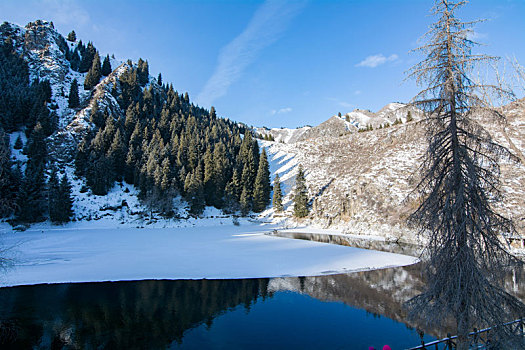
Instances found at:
x=285 y=135
x=360 y=182
x=44 y=49
x=350 y=122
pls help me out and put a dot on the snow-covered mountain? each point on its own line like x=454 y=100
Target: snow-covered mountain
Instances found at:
x=360 y=182
x=350 y=122
x=44 y=49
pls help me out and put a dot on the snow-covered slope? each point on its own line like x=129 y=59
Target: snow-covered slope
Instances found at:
x=285 y=135
x=360 y=182
x=345 y=124
x=44 y=50
x=81 y=254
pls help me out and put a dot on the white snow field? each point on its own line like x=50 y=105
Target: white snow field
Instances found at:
x=88 y=254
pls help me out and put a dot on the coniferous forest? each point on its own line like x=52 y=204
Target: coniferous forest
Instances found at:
x=162 y=143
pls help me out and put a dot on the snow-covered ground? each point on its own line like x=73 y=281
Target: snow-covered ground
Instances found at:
x=85 y=252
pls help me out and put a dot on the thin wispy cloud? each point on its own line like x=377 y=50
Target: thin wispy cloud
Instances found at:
x=266 y=26
x=345 y=104
x=281 y=111
x=340 y=103
x=377 y=60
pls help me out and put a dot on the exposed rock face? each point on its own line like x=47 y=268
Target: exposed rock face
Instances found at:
x=44 y=49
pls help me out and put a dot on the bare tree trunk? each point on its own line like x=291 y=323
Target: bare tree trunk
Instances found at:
x=459 y=185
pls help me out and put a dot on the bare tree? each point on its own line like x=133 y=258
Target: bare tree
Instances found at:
x=467 y=259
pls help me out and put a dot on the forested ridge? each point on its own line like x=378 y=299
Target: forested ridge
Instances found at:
x=158 y=141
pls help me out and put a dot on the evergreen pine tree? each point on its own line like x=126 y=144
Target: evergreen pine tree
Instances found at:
x=94 y=74
x=300 y=208
x=72 y=36
x=261 y=192
x=222 y=168
x=249 y=169
x=159 y=79
x=165 y=182
x=65 y=202
x=142 y=72
x=117 y=155
x=74 y=60
x=106 y=67
x=73 y=100
x=31 y=201
x=195 y=193
x=36 y=147
x=8 y=181
x=88 y=55
x=99 y=174
x=209 y=178
x=53 y=197
x=232 y=192
x=277 y=194
x=18 y=143
x=245 y=202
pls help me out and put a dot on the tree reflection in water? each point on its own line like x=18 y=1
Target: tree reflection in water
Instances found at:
x=157 y=314
x=120 y=315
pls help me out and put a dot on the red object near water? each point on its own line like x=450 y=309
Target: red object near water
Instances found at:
x=386 y=347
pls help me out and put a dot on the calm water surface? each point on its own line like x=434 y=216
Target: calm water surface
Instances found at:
x=349 y=311
x=346 y=311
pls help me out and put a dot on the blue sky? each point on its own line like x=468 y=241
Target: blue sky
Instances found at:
x=275 y=63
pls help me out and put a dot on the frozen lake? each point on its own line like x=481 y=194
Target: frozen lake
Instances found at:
x=89 y=254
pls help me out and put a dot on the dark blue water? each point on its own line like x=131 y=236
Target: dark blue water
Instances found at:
x=292 y=321
x=348 y=311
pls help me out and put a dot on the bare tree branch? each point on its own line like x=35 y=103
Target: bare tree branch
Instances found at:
x=467 y=256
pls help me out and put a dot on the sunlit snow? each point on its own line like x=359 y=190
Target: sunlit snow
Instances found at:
x=85 y=252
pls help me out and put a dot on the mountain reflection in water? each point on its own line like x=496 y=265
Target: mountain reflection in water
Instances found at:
x=211 y=313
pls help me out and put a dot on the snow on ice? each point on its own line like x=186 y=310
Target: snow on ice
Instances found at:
x=213 y=249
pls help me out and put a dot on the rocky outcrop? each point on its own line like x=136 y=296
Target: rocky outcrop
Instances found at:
x=44 y=49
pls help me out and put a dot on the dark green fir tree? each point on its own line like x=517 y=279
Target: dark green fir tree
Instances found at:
x=73 y=100
x=31 y=201
x=53 y=196
x=245 y=202
x=262 y=189
x=300 y=207
x=106 y=67
x=94 y=74
x=195 y=193
x=75 y=60
x=18 y=143
x=65 y=200
x=142 y=72
x=72 y=36
x=277 y=194
x=88 y=54
x=8 y=178
x=232 y=193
